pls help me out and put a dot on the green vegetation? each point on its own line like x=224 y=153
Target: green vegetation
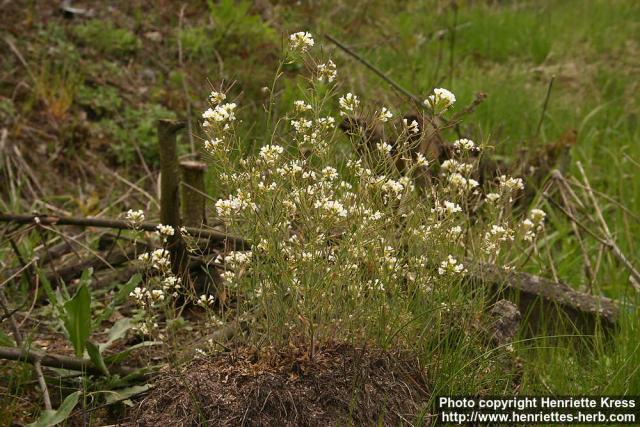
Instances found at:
x=83 y=95
x=106 y=37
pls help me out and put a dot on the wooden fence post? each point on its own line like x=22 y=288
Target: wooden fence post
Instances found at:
x=193 y=201
x=169 y=195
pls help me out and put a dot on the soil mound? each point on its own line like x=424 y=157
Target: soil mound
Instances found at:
x=339 y=385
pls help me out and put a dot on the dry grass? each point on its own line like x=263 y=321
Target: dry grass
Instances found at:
x=340 y=385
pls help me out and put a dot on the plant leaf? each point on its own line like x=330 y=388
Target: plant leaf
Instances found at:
x=117 y=331
x=119 y=357
x=125 y=393
x=96 y=357
x=123 y=293
x=77 y=318
x=51 y=418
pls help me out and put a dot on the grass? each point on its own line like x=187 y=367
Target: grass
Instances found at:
x=509 y=50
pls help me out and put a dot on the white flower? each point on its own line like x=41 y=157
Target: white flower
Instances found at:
x=135 y=217
x=384 y=115
x=326 y=122
x=441 y=100
x=301 y=106
x=206 y=300
x=454 y=232
x=537 y=216
x=392 y=186
x=459 y=182
x=220 y=114
x=451 y=266
x=496 y=234
x=533 y=224
x=330 y=173
x=237 y=259
x=331 y=207
x=159 y=259
x=139 y=294
x=235 y=204
x=327 y=71
x=465 y=145
x=212 y=145
x=216 y=97
x=301 y=41
x=384 y=147
x=492 y=197
x=411 y=127
x=171 y=282
x=421 y=161
x=348 y=103
x=157 y=295
x=166 y=230
x=301 y=126
x=448 y=208
x=510 y=183
x=271 y=153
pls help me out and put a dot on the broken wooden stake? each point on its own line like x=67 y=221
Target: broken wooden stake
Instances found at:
x=193 y=201
x=169 y=196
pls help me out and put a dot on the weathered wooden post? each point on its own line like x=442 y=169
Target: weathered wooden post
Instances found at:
x=169 y=191
x=193 y=200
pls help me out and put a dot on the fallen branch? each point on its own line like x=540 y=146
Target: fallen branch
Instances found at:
x=531 y=289
x=117 y=224
x=59 y=361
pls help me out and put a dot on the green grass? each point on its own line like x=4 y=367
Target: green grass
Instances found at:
x=509 y=50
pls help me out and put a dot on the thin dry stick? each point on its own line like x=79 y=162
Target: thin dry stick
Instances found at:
x=183 y=80
x=94 y=253
x=452 y=44
x=375 y=70
x=9 y=314
x=134 y=186
x=603 y=241
x=59 y=361
x=545 y=105
x=43 y=384
x=113 y=223
x=608 y=236
x=19 y=341
x=607 y=198
x=576 y=231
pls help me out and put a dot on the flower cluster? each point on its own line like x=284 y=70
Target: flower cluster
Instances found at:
x=451 y=266
x=222 y=114
x=301 y=41
x=348 y=104
x=347 y=236
x=227 y=208
x=440 y=101
x=464 y=144
x=135 y=218
x=384 y=115
x=533 y=224
x=327 y=71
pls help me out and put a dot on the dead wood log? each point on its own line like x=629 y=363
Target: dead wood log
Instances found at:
x=116 y=258
x=538 y=298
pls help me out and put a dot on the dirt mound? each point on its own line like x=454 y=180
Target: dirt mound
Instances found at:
x=341 y=385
